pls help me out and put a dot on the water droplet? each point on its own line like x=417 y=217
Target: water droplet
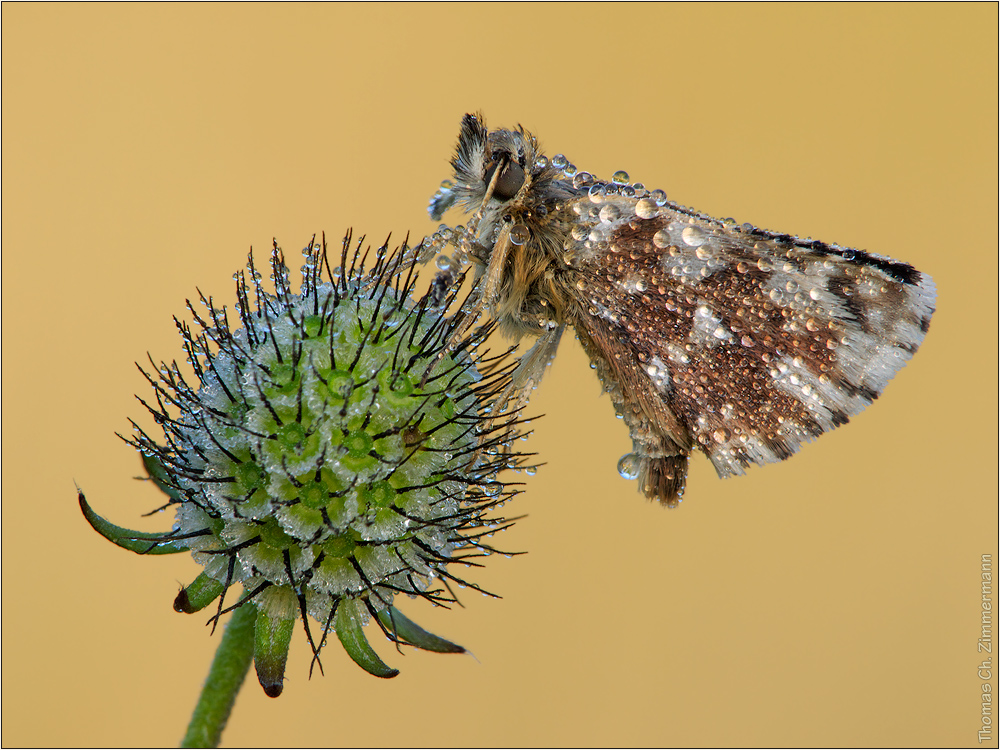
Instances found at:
x=559 y=161
x=662 y=239
x=693 y=236
x=722 y=435
x=583 y=180
x=645 y=208
x=609 y=213
x=569 y=170
x=659 y=196
x=597 y=193
x=443 y=262
x=520 y=234
x=541 y=162
x=629 y=465
x=620 y=177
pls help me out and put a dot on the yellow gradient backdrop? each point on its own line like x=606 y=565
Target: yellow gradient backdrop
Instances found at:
x=833 y=599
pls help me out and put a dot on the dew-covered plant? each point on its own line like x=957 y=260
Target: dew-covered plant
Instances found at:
x=336 y=447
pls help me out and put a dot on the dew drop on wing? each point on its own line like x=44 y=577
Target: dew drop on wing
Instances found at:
x=628 y=466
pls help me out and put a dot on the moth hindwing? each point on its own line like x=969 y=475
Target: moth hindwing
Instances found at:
x=707 y=334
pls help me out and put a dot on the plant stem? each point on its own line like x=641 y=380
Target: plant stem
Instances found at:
x=229 y=668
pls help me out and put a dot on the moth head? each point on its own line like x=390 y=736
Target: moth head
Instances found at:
x=487 y=166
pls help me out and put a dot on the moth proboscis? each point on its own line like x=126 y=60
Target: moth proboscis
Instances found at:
x=706 y=333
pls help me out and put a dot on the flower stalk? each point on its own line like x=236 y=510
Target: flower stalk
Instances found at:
x=225 y=678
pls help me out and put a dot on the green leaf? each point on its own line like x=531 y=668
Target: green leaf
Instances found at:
x=406 y=630
x=355 y=644
x=160 y=477
x=270 y=650
x=201 y=592
x=134 y=541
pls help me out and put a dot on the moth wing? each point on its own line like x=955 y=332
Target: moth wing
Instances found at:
x=754 y=341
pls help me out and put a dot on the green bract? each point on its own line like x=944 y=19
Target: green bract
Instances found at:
x=340 y=448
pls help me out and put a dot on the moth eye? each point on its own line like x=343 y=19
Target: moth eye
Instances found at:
x=510 y=180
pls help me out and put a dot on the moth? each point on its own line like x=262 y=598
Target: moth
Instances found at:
x=732 y=339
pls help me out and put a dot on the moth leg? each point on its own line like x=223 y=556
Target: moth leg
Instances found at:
x=528 y=373
x=474 y=304
x=483 y=295
x=446 y=279
x=466 y=316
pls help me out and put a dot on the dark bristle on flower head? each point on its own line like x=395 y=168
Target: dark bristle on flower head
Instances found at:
x=339 y=448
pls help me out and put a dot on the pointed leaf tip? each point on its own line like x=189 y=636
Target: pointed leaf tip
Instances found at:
x=135 y=541
x=409 y=632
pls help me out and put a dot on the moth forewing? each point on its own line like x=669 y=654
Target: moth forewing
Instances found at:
x=740 y=341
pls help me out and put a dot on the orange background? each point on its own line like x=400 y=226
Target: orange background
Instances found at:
x=831 y=600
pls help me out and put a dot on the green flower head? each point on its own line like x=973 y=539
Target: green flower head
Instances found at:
x=339 y=448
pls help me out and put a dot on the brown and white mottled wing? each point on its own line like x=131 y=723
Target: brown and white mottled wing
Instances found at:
x=755 y=342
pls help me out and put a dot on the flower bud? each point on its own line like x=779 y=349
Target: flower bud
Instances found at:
x=339 y=448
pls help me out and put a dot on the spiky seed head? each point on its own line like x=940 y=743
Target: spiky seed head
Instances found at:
x=339 y=448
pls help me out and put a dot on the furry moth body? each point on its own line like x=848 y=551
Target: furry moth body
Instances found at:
x=741 y=342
